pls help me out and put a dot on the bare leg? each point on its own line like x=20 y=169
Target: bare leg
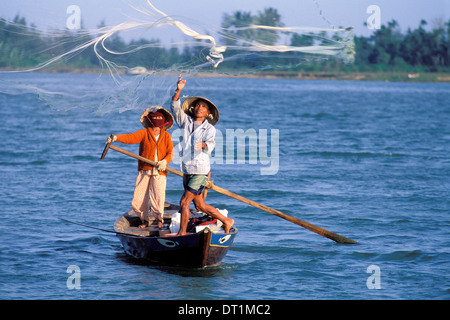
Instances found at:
x=185 y=211
x=200 y=204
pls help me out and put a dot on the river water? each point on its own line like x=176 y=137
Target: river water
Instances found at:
x=367 y=160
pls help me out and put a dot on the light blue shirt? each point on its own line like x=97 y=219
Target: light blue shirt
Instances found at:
x=192 y=161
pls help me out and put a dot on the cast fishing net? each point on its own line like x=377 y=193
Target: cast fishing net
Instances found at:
x=240 y=46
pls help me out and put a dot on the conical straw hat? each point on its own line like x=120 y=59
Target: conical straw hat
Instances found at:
x=167 y=116
x=189 y=104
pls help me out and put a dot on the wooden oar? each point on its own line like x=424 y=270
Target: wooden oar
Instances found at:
x=210 y=185
x=323 y=232
x=205 y=191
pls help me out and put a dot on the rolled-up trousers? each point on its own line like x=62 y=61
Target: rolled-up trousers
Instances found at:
x=149 y=188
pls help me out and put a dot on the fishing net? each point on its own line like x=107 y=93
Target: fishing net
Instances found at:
x=239 y=47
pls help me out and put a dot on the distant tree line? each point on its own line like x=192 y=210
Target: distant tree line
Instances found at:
x=421 y=49
x=389 y=48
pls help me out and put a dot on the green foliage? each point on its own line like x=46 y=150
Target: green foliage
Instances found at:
x=418 y=49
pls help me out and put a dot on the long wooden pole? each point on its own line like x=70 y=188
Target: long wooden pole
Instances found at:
x=153 y=163
x=210 y=185
x=323 y=232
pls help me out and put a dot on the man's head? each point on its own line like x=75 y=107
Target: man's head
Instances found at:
x=199 y=107
x=157 y=117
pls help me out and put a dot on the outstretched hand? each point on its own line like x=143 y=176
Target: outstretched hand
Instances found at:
x=181 y=83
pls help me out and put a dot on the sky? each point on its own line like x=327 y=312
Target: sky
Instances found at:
x=204 y=15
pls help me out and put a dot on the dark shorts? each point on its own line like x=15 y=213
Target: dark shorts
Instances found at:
x=194 y=183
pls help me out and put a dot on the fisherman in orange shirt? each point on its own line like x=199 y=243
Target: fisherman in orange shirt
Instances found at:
x=155 y=144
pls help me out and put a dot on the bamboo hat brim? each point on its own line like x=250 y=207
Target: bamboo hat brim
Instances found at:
x=167 y=116
x=189 y=104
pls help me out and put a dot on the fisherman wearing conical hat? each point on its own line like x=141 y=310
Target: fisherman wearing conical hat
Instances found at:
x=155 y=143
x=196 y=119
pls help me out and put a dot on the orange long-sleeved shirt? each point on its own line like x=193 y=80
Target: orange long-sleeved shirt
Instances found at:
x=148 y=145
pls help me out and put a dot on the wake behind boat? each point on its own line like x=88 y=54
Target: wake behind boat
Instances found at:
x=206 y=243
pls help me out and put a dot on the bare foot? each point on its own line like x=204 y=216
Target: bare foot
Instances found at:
x=228 y=224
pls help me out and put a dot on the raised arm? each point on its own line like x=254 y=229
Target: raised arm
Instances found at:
x=180 y=85
x=178 y=114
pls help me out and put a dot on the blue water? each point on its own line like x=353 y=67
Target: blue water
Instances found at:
x=367 y=160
